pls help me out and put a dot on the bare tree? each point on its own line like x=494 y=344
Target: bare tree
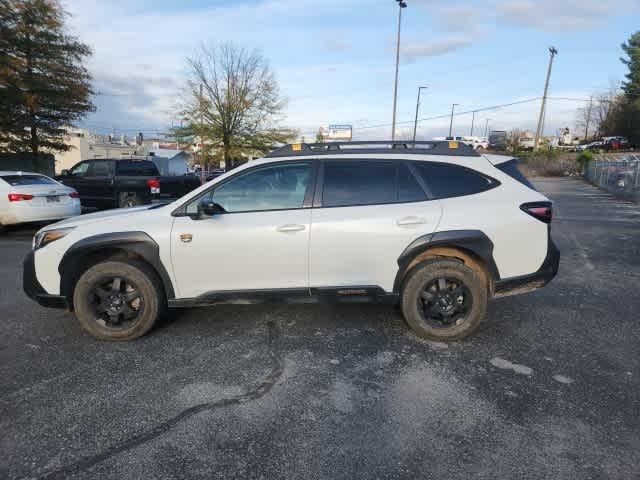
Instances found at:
x=234 y=104
x=586 y=119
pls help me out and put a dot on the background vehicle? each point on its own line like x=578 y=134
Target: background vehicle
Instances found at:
x=32 y=197
x=526 y=143
x=111 y=183
x=434 y=226
x=498 y=140
x=478 y=143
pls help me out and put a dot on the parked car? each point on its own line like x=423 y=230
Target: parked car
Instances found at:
x=433 y=226
x=595 y=145
x=525 y=143
x=478 y=143
x=31 y=197
x=111 y=183
x=498 y=140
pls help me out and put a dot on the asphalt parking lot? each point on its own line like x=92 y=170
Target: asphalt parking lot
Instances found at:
x=548 y=388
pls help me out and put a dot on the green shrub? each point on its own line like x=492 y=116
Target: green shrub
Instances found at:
x=583 y=159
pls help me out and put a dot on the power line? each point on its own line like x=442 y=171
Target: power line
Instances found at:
x=447 y=115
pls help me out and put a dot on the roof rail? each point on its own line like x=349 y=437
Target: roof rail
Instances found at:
x=435 y=147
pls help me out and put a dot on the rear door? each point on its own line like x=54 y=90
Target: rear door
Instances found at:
x=365 y=214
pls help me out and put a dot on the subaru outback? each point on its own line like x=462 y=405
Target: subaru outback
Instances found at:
x=434 y=227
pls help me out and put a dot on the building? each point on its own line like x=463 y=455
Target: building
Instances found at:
x=171 y=161
x=78 y=140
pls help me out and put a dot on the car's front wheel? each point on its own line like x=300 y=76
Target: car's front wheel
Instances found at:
x=118 y=300
x=443 y=299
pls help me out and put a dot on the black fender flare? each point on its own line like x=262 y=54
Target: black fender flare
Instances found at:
x=138 y=243
x=474 y=241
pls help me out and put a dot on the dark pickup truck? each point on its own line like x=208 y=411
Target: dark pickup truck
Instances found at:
x=112 y=183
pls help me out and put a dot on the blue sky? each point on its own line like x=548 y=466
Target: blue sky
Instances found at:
x=334 y=59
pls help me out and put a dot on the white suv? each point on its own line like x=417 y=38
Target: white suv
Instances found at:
x=433 y=226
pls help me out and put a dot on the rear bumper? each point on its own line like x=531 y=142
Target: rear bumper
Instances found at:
x=34 y=290
x=527 y=283
x=26 y=214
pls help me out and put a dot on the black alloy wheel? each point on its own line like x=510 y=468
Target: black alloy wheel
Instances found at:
x=117 y=303
x=445 y=302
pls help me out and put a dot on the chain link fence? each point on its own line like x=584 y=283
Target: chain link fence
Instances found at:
x=620 y=176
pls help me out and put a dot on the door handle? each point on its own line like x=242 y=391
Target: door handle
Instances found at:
x=290 y=227
x=405 y=221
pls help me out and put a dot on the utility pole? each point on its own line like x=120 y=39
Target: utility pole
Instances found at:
x=473 y=121
x=553 y=52
x=203 y=177
x=453 y=106
x=401 y=4
x=486 y=126
x=586 y=128
x=415 y=123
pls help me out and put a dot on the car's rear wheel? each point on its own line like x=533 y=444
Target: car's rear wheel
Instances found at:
x=443 y=299
x=118 y=300
x=127 y=200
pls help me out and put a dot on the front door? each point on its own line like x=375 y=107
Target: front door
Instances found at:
x=259 y=241
x=76 y=178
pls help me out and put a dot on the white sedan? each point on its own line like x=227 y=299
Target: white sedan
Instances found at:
x=32 y=197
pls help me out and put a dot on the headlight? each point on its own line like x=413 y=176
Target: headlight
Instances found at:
x=42 y=239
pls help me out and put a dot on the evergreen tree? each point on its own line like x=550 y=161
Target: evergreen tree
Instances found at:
x=632 y=48
x=44 y=86
x=628 y=118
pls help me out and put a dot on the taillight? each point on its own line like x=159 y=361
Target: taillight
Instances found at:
x=18 y=197
x=154 y=185
x=540 y=210
x=74 y=195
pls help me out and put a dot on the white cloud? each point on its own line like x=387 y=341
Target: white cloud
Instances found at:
x=411 y=51
x=558 y=15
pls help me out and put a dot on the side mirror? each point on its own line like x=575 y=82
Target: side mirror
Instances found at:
x=209 y=208
x=65 y=173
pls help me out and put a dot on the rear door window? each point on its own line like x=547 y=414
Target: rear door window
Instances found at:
x=368 y=182
x=99 y=168
x=132 y=168
x=447 y=180
x=409 y=190
x=22 y=180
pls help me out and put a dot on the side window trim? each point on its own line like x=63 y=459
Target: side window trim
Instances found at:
x=181 y=211
x=418 y=177
x=317 y=199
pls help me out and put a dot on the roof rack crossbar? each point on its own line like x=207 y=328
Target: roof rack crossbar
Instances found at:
x=434 y=147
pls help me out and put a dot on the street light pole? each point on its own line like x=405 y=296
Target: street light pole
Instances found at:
x=553 y=52
x=401 y=4
x=473 y=121
x=453 y=106
x=415 y=123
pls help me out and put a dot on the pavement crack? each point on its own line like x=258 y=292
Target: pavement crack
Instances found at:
x=258 y=390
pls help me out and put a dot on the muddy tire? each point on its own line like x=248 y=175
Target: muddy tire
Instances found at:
x=443 y=300
x=118 y=300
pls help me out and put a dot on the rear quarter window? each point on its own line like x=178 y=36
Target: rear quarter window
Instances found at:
x=511 y=169
x=447 y=180
x=22 y=180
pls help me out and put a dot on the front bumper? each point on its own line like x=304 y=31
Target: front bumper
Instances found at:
x=527 y=283
x=34 y=290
